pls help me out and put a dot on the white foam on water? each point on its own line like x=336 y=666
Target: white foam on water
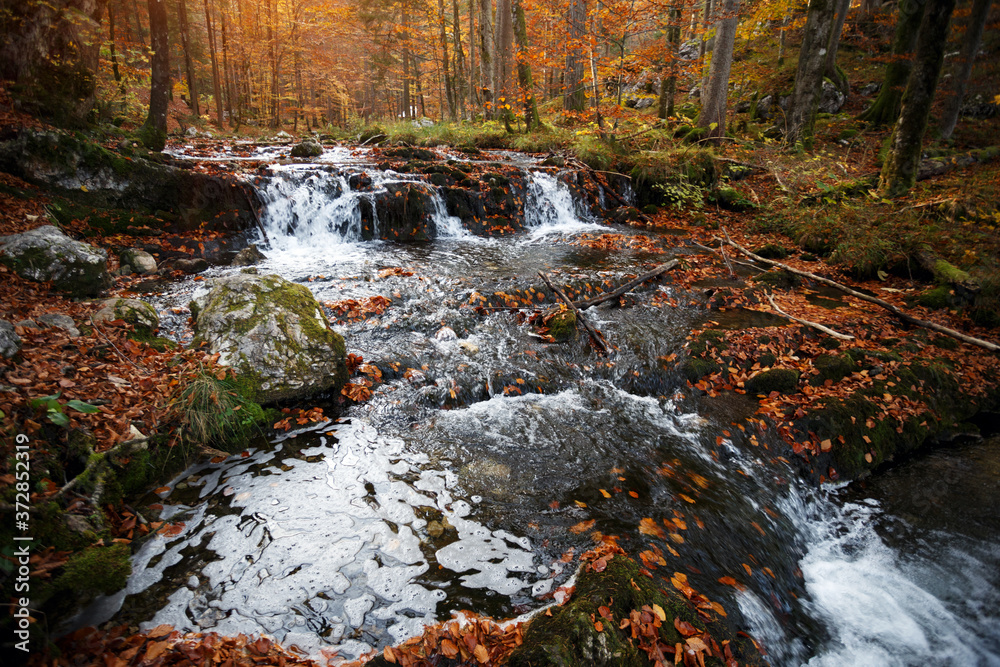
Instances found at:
x=883 y=608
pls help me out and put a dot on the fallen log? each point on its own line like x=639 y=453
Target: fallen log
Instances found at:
x=594 y=336
x=815 y=325
x=909 y=319
x=614 y=294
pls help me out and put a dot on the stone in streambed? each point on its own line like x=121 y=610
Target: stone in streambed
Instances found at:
x=10 y=342
x=138 y=261
x=273 y=332
x=138 y=313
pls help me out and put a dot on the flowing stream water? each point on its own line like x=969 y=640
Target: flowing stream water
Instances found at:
x=457 y=485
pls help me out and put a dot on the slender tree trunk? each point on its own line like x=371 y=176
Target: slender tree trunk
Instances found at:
x=703 y=49
x=713 y=111
x=154 y=131
x=420 y=87
x=226 y=68
x=809 y=76
x=405 y=39
x=459 y=82
x=970 y=46
x=524 y=78
x=487 y=51
x=216 y=81
x=668 y=82
x=182 y=22
x=885 y=108
x=899 y=173
x=114 y=53
x=473 y=95
x=836 y=75
x=781 y=40
x=574 y=93
x=272 y=54
x=449 y=92
x=504 y=53
x=138 y=25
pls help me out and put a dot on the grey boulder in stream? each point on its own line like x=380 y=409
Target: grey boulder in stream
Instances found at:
x=272 y=332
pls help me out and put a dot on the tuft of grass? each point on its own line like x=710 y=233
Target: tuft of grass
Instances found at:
x=217 y=412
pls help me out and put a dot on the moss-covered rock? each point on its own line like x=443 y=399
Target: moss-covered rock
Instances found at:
x=308 y=148
x=938 y=297
x=562 y=325
x=773 y=251
x=138 y=313
x=273 y=332
x=97 y=570
x=569 y=637
x=832 y=367
x=45 y=253
x=781 y=380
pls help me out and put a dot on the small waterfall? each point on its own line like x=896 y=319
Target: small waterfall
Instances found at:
x=550 y=207
x=311 y=208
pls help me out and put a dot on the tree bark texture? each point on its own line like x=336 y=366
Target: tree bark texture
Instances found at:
x=487 y=51
x=154 y=131
x=216 y=81
x=574 y=93
x=885 y=109
x=970 y=46
x=182 y=23
x=504 y=52
x=809 y=75
x=899 y=173
x=832 y=73
x=713 y=110
x=525 y=80
x=668 y=83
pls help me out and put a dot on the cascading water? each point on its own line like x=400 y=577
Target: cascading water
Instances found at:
x=457 y=485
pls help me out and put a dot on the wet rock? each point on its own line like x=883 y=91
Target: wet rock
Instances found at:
x=138 y=313
x=135 y=260
x=248 y=256
x=308 y=148
x=27 y=324
x=445 y=333
x=562 y=325
x=273 y=332
x=77 y=524
x=193 y=265
x=781 y=380
x=10 y=342
x=45 y=253
x=60 y=321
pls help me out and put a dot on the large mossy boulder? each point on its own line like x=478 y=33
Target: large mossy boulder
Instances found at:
x=45 y=253
x=273 y=332
x=308 y=148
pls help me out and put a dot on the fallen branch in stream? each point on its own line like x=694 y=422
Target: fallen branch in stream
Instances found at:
x=614 y=294
x=594 y=336
x=909 y=319
x=608 y=189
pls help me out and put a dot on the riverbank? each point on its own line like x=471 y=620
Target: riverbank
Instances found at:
x=816 y=393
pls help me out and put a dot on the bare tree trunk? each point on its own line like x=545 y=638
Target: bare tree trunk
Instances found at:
x=153 y=132
x=114 y=53
x=138 y=25
x=182 y=22
x=668 y=82
x=405 y=38
x=713 y=110
x=504 y=53
x=216 y=81
x=832 y=72
x=885 y=108
x=899 y=173
x=706 y=21
x=226 y=69
x=970 y=46
x=487 y=51
x=781 y=40
x=524 y=78
x=459 y=82
x=574 y=93
x=473 y=93
x=272 y=54
x=444 y=62
x=809 y=76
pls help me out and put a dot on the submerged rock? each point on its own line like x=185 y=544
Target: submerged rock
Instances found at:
x=138 y=313
x=273 y=332
x=10 y=342
x=193 y=265
x=45 y=253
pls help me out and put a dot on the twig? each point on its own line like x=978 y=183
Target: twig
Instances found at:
x=96 y=461
x=607 y=296
x=819 y=327
x=594 y=336
x=734 y=261
x=115 y=347
x=909 y=319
